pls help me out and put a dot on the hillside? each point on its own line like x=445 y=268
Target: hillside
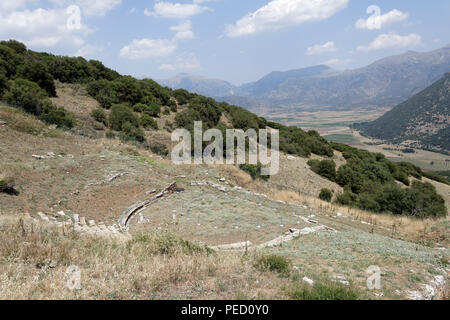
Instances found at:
x=384 y=83
x=85 y=158
x=422 y=121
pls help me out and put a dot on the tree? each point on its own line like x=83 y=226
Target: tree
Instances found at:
x=326 y=195
x=148 y=122
x=9 y=60
x=25 y=94
x=99 y=115
x=121 y=114
x=38 y=72
x=17 y=46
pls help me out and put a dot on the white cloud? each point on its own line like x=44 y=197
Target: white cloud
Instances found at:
x=167 y=67
x=186 y=62
x=183 y=30
x=381 y=21
x=391 y=40
x=42 y=28
x=176 y=10
x=321 y=48
x=279 y=14
x=90 y=7
x=148 y=48
x=6 y=6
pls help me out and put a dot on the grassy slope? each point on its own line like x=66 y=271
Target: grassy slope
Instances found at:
x=132 y=271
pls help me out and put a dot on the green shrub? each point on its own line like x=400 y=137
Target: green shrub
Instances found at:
x=139 y=107
x=254 y=171
x=3 y=83
x=110 y=135
x=318 y=291
x=38 y=72
x=324 y=168
x=182 y=96
x=159 y=148
x=153 y=110
x=148 y=122
x=121 y=114
x=436 y=177
x=7 y=186
x=172 y=105
x=274 y=263
x=132 y=133
x=17 y=46
x=103 y=92
x=10 y=60
x=25 y=94
x=128 y=90
x=99 y=115
x=52 y=114
x=326 y=195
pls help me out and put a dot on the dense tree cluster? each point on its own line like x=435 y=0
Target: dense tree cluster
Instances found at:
x=369 y=181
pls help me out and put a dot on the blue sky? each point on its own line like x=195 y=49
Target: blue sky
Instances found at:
x=234 y=40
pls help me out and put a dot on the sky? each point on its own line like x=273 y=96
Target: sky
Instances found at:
x=234 y=40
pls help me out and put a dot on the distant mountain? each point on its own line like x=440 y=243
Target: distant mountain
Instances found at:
x=422 y=121
x=385 y=83
x=201 y=85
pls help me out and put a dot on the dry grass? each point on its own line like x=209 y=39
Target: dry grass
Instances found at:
x=34 y=259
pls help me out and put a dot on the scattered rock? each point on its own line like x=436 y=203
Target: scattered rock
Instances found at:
x=308 y=281
x=291 y=158
x=341 y=279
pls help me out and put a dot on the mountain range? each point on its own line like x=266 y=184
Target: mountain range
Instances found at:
x=422 y=121
x=385 y=83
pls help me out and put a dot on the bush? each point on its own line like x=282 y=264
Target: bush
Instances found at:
x=159 y=148
x=121 y=114
x=148 y=122
x=254 y=171
x=132 y=133
x=274 y=263
x=110 y=135
x=324 y=168
x=103 y=92
x=140 y=107
x=326 y=195
x=322 y=292
x=127 y=90
x=436 y=177
x=3 y=83
x=182 y=96
x=153 y=110
x=7 y=186
x=25 y=94
x=172 y=105
x=17 y=46
x=52 y=114
x=9 y=60
x=39 y=73
x=99 y=115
